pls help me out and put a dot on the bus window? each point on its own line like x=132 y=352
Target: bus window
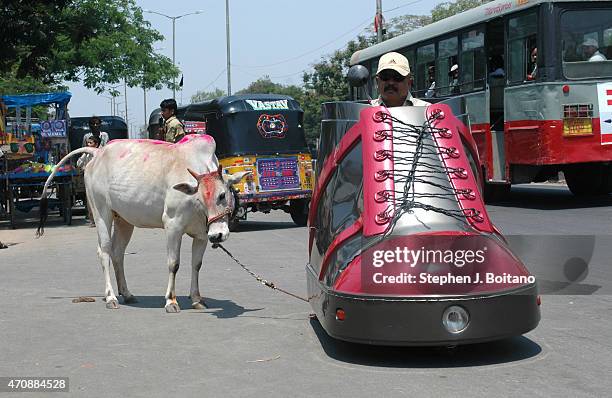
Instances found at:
x=473 y=65
x=586 y=43
x=447 y=57
x=426 y=57
x=521 y=42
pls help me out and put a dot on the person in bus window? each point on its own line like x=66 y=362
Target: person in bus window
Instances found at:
x=431 y=78
x=590 y=48
x=533 y=64
x=454 y=79
x=394 y=81
x=497 y=66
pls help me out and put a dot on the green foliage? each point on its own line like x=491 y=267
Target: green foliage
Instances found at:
x=98 y=42
x=264 y=85
x=9 y=84
x=445 y=10
x=202 y=95
x=403 y=24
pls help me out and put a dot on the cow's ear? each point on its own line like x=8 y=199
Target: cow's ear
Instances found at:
x=235 y=178
x=186 y=188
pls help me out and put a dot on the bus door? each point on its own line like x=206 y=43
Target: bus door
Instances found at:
x=496 y=80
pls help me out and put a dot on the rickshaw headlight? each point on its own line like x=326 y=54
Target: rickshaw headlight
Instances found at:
x=455 y=319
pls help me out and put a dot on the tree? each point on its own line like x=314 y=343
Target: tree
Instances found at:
x=327 y=80
x=264 y=85
x=203 y=95
x=98 y=42
x=403 y=24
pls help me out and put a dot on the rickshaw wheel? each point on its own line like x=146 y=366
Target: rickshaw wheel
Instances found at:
x=298 y=209
x=234 y=224
x=11 y=209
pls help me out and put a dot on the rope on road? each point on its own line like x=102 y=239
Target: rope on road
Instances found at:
x=259 y=279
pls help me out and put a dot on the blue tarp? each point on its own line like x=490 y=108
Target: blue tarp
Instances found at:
x=36 y=99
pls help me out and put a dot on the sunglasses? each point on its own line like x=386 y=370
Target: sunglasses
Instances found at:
x=396 y=77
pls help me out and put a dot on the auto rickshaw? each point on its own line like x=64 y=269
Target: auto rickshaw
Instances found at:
x=262 y=133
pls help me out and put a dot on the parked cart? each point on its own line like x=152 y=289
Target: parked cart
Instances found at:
x=30 y=148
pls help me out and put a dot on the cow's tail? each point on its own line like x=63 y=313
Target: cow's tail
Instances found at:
x=44 y=205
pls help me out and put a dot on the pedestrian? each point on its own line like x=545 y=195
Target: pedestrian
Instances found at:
x=394 y=82
x=95 y=124
x=92 y=142
x=172 y=130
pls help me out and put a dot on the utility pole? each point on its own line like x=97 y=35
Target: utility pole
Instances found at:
x=227 y=34
x=174 y=40
x=378 y=21
x=144 y=91
x=126 y=104
x=173 y=57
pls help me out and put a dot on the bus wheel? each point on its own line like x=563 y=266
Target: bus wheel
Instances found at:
x=588 y=179
x=299 y=212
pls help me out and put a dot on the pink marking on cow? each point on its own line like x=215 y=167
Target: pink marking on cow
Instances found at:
x=125 y=153
x=191 y=137
x=146 y=157
x=206 y=137
x=208 y=183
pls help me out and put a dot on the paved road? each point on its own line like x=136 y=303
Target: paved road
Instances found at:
x=252 y=341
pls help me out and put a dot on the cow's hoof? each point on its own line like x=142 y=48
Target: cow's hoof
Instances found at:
x=173 y=308
x=112 y=304
x=130 y=300
x=198 y=306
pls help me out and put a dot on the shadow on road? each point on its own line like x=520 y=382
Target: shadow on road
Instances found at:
x=550 y=198
x=31 y=219
x=220 y=308
x=249 y=226
x=494 y=353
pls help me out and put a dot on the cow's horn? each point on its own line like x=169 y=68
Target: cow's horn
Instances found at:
x=194 y=174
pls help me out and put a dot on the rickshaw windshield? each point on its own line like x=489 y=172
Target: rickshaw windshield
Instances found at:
x=261 y=133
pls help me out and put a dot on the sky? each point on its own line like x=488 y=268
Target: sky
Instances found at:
x=277 y=38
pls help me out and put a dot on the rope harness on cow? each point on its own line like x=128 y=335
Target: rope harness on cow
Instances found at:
x=227 y=212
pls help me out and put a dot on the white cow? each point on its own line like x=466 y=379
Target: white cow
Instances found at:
x=154 y=184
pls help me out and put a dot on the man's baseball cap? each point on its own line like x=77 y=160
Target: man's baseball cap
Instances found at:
x=394 y=61
x=590 y=43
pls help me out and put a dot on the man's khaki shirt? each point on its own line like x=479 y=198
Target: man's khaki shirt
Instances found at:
x=410 y=101
x=173 y=130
